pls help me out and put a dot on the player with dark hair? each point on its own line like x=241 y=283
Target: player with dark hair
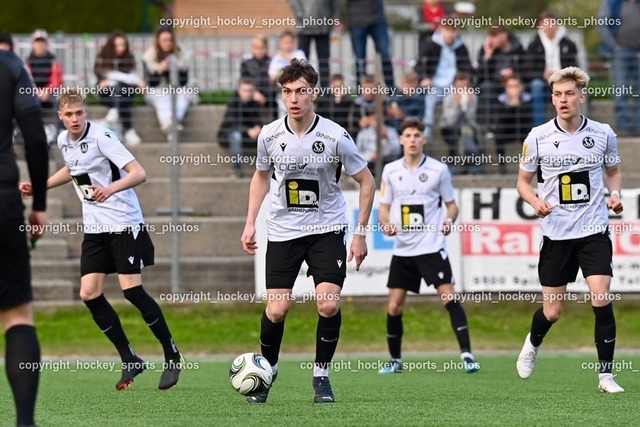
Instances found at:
x=575 y=160
x=300 y=159
x=115 y=237
x=21 y=341
x=413 y=190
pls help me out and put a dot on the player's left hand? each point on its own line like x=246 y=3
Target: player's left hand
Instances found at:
x=100 y=194
x=446 y=228
x=358 y=250
x=615 y=204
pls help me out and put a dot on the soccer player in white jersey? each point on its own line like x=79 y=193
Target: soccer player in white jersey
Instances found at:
x=413 y=191
x=115 y=237
x=300 y=159
x=572 y=157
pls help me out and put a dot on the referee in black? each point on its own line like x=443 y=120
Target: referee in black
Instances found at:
x=22 y=350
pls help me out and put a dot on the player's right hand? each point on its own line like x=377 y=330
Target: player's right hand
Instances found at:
x=248 y=241
x=542 y=208
x=26 y=189
x=389 y=229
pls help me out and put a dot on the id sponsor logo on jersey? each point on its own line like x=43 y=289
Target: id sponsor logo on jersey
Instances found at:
x=574 y=187
x=412 y=217
x=83 y=182
x=302 y=193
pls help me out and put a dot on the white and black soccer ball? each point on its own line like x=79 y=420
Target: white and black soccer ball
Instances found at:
x=250 y=374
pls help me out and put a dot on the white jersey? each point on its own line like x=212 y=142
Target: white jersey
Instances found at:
x=416 y=198
x=305 y=193
x=98 y=158
x=570 y=175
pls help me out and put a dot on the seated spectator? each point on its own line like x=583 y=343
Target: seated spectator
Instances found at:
x=47 y=76
x=256 y=69
x=443 y=56
x=286 y=52
x=549 y=51
x=367 y=142
x=458 y=123
x=365 y=102
x=241 y=124
x=409 y=102
x=157 y=66
x=500 y=56
x=337 y=103
x=513 y=118
x=115 y=69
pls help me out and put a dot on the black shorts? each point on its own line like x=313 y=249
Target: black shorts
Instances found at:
x=325 y=254
x=15 y=272
x=406 y=272
x=560 y=259
x=123 y=253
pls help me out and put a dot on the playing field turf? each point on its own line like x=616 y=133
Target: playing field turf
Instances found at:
x=560 y=392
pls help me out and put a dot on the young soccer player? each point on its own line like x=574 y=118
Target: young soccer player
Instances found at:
x=569 y=155
x=115 y=238
x=300 y=159
x=412 y=192
x=22 y=350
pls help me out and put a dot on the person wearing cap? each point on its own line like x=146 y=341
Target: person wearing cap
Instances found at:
x=6 y=42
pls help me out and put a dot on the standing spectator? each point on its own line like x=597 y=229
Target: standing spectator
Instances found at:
x=444 y=56
x=286 y=52
x=320 y=13
x=366 y=142
x=117 y=79
x=364 y=102
x=47 y=76
x=549 y=51
x=513 y=118
x=256 y=69
x=367 y=18
x=430 y=13
x=157 y=66
x=241 y=124
x=409 y=102
x=6 y=42
x=622 y=38
x=337 y=104
x=500 y=56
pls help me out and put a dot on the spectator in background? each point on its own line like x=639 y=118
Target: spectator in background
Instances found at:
x=513 y=118
x=444 y=56
x=318 y=15
x=337 y=104
x=47 y=76
x=6 y=42
x=622 y=40
x=409 y=102
x=367 y=142
x=286 y=52
x=241 y=124
x=157 y=66
x=115 y=70
x=429 y=14
x=367 y=18
x=549 y=51
x=500 y=56
x=256 y=69
x=365 y=102
x=458 y=122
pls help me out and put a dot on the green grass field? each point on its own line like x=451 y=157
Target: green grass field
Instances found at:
x=560 y=392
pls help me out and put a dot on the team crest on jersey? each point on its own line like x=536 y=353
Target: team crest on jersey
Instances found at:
x=588 y=142
x=318 y=147
x=84 y=147
x=423 y=177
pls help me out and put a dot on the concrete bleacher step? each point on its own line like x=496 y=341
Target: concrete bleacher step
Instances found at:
x=52 y=246
x=52 y=289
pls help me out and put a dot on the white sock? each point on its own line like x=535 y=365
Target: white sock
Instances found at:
x=466 y=354
x=601 y=376
x=319 y=372
x=274 y=368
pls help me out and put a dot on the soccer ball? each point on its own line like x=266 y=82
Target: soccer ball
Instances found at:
x=250 y=374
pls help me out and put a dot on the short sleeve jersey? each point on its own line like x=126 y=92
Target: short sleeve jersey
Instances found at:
x=416 y=198
x=99 y=157
x=305 y=192
x=570 y=175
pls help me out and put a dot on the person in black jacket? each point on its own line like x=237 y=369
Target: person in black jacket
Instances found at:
x=256 y=69
x=549 y=51
x=337 y=104
x=444 y=56
x=513 y=117
x=241 y=124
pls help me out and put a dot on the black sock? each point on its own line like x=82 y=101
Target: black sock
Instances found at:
x=394 y=335
x=539 y=327
x=270 y=338
x=605 y=335
x=152 y=314
x=21 y=359
x=107 y=320
x=459 y=325
x=327 y=335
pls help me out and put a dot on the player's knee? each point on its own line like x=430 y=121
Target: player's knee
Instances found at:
x=553 y=314
x=277 y=312
x=89 y=294
x=328 y=308
x=395 y=308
